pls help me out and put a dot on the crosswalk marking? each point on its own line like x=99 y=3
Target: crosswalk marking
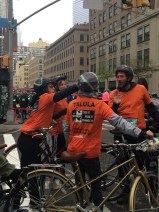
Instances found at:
x=13 y=158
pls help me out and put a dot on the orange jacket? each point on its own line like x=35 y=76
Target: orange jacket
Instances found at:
x=59 y=106
x=133 y=104
x=42 y=116
x=85 y=117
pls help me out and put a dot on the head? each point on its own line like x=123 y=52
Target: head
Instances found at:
x=59 y=82
x=43 y=85
x=88 y=82
x=124 y=75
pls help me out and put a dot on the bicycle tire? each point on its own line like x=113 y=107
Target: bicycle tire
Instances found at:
x=13 y=155
x=50 y=195
x=110 y=161
x=140 y=199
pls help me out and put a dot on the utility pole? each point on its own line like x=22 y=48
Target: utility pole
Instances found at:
x=10 y=112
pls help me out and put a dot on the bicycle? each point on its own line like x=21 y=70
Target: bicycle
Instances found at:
x=112 y=157
x=15 y=195
x=47 y=152
x=65 y=196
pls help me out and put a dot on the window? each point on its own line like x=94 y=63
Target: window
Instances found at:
x=100 y=34
x=123 y=42
x=110 y=46
x=128 y=40
x=115 y=26
x=114 y=64
x=114 y=45
x=110 y=29
x=110 y=65
x=104 y=32
x=81 y=37
x=146 y=57
x=110 y=12
x=122 y=22
x=100 y=18
x=104 y=16
x=128 y=59
x=115 y=9
x=95 y=22
x=139 y=35
x=128 y=19
x=81 y=48
x=139 y=59
x=92 y=53
x=122 y=59
x=92 y=24
x=102 y=50
x=147 y=32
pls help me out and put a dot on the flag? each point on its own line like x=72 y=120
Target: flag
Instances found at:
x=93 y=4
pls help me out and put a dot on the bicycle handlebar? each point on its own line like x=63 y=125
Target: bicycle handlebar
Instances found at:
x=148 y=145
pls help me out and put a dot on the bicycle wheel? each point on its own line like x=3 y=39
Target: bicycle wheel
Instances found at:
x=46 y=190
x=140 y=199
x=110 y=160
x=13 y=155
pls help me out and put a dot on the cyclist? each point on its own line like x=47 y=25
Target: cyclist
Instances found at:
x=129 y=100
x=40 y=117
x=84 y=120
x=58 y=138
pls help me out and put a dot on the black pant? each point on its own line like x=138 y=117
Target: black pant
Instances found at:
x=59 y=144
x=30 y=154
x=91 y=166
x=29 y=149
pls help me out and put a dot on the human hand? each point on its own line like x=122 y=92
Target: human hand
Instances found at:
x=117 y=98
x=150 y=134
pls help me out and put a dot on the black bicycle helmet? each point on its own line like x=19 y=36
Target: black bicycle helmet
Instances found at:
x=56 y=79
x=127 y=70
x=88 y=82
x=41 y=84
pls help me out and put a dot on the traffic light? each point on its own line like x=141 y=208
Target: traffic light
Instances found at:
x=142 y=3
x=4 y=61
x=127 y=4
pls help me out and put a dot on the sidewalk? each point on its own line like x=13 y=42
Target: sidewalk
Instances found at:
x=9 y=128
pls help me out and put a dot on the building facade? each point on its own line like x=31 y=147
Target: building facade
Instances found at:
x=129 y=37
x=36 y=69
x=69 y=54
x=80 y=15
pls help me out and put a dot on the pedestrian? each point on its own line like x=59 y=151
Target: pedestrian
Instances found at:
x=24 y=103
x=105 y=96
x=85 y=116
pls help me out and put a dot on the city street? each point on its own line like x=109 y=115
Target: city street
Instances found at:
x=11 y=137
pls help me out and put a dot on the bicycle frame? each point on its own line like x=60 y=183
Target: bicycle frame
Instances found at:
x=134 y=170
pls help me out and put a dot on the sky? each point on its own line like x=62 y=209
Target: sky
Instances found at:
x=49 y=24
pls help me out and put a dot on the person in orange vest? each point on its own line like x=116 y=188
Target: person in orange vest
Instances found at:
x=59 y=143
x=84 y=120
x=105 y=96
x=40 y=117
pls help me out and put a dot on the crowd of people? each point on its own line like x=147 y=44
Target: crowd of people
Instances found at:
x=79 y=125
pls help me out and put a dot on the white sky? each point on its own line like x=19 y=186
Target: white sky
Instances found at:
x=49 y=24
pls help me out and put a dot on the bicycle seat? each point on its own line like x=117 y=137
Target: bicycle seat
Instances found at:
x=2 y=146
x=116 y=132
x=72 y=156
